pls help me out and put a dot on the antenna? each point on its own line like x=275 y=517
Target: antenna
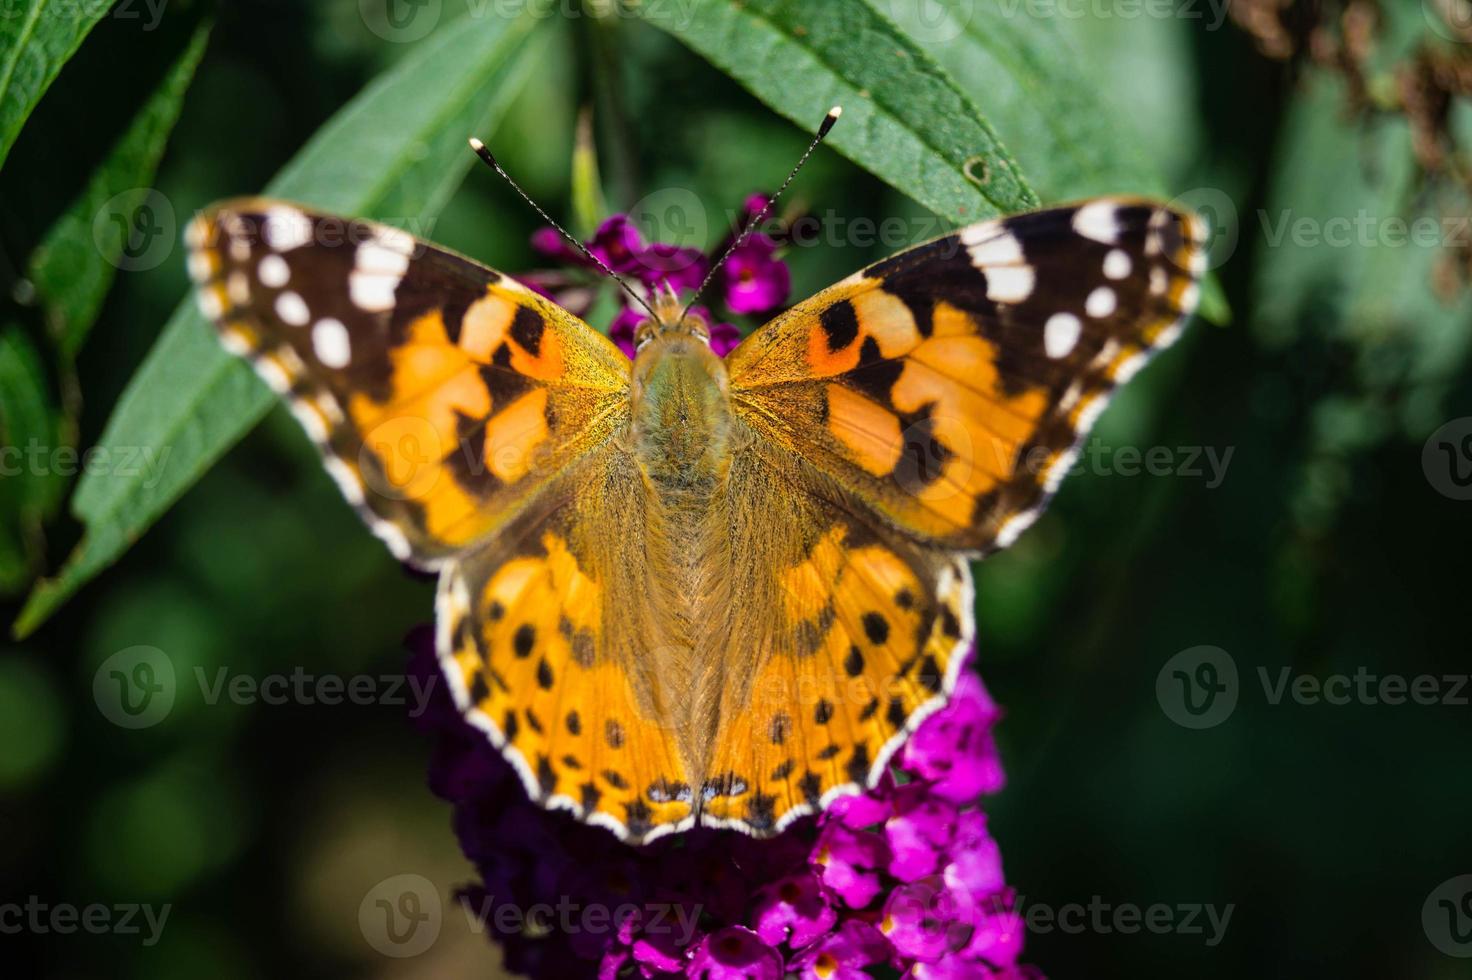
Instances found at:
x=752 y=225
x=485 y=154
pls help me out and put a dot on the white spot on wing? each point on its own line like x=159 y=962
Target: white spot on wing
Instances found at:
x=292 y=309
x=211 y=304
x=1117 y=264
x=274 y=271
x=286 y=228
x=372 y=293
x=330 y=343
x=200 y=269
x=1101 y=303
x=1009 y=284
x=1098 y=220
x=1060 y=334
x=1000 y=249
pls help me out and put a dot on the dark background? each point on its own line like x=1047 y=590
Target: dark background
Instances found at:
x=1325 y=549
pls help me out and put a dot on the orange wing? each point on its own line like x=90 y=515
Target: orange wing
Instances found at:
x=846 y=636
x=949 y=385
x=442 y=394
x=543 y=634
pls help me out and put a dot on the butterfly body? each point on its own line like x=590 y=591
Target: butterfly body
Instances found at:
x=690 y=589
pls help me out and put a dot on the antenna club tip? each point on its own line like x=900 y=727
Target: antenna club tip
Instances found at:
x=835 y=112
x=476 y=144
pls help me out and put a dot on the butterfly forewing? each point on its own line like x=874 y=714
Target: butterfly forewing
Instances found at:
x=442 y=394
x=949 y=384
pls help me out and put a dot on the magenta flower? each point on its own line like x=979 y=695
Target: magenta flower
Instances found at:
x=794 y=910
x=735 y=953
x=753 y=280
x=905 y=876
x=618 y=244
x=845 y=954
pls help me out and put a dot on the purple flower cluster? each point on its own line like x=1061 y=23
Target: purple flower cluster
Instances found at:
x=753 y=281
x=905 y=877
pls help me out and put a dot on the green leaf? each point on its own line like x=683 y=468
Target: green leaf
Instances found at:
x=1026 y=74
x=34 y=45
x=397 y=151
x=28 y=483
x=904 y=119
x=74 y=266
x=1040 y=94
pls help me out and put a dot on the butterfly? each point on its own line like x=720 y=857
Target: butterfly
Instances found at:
x=685 y=590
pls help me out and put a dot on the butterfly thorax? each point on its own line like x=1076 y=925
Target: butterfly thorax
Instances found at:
x=681 y=423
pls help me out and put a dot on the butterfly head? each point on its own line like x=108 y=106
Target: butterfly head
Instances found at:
x=672 y=319
x=679 y=395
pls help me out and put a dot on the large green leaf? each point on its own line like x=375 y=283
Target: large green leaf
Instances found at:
x=904 y=119
x=396 y=151
x=34 y=44
x=1025 y=74
x=76 y=263
x=28 y=456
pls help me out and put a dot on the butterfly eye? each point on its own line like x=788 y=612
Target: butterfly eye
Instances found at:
x=644 y=333
x=696 y=326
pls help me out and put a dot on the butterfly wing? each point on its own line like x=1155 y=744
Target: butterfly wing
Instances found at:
x=923 y=408
x=950 y=384
x=847 y=634
x=545 y=635
x=443 y=395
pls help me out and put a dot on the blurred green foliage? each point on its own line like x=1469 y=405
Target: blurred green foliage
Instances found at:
x=1324 y=545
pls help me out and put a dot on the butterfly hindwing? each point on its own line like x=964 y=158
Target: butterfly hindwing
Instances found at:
x=847 y=636
x=949 y=385
x=442 y=394
x=544 y=636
